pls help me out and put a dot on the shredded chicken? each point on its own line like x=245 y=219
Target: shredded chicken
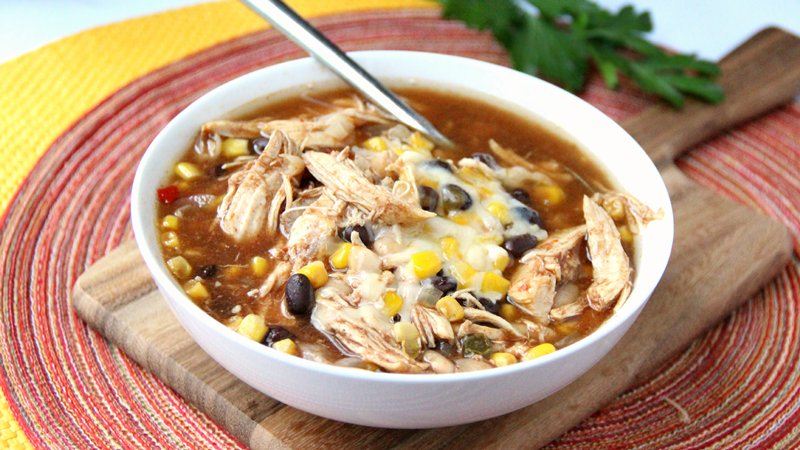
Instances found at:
x=468 y=327
x=405 y=188
x=276 y=278
x=374 y=164
x=538 y=333
x=348 y=183
x=209 y=142
x=333 y=130
x=637 y=214
x=519 y=170
x=479 y=315
x=301 y=203
x=431 y=325
x=363 y=331
x=257 y=193
x=569 y=310
x=555 y=260
x=611 y=278
x=312 y=231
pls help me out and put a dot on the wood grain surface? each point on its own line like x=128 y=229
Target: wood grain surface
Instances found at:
x=707 y=278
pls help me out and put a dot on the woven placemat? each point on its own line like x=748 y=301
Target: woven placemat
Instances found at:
x=67 y=387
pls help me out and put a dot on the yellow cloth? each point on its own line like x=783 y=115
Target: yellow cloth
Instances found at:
x=43 y=92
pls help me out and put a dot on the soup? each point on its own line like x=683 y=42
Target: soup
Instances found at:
x=322 y=228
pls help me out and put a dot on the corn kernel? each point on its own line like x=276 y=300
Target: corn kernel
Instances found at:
x=484 y=192
x=463 y=218
x=286 y=346
x=233 y=147
x=253 y=327
x=509 y=312
x=407 y=335
x=625 y=234
x=341 y=256
x=549 y=194
x=615 y=209
x=450 y=248
x=463 y=273
x=187 y=171
x=472 y=175
x=493 y=282
x=433 y=184
x=491 y=238
x=232 y=271
x=179 y=267
x=169 y=222
x=450 y=308
x=183 y=185
x=500 y=211
x=501 y=359
x=196 y=290
x=234 y=322
x=499 y=257
x=566 y=328
x=258 y=265
x=375 y=144
x=392 y=303
x=425 y=264
x=170 y=239
x=372 y=367
x=403 y=148
x=316 y=273
x=216 y=202
x=539 y=350
x=419 y=142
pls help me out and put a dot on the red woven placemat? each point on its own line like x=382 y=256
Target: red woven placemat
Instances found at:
x=738 y=386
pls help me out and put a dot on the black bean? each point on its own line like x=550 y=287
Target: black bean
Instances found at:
x=518 y=245
x=486 y=159
x=396 y=318
x=428 y=198
x=208 y=271
x=490 y=306
x=276 y=333
x=445 y=348
x=299 y=294
x=439 y=163
x=521 y=196
x=364 y=233
x=454 y=197
x=529 y=215
x=443 y=283
x=307 y=180
x=219 y=170
x=258 y=145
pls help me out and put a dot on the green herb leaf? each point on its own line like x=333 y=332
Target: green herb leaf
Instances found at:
x=557 y=39
x=561 y=57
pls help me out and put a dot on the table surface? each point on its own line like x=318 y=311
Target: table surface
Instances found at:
x=710 y=28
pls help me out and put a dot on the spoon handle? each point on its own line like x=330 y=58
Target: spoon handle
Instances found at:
x=302 y=33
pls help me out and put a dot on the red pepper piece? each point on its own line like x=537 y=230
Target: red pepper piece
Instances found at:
x=168 y=194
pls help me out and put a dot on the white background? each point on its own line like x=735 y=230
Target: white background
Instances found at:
x=708 y=27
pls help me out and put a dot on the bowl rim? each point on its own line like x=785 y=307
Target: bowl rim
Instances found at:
x=178 y=300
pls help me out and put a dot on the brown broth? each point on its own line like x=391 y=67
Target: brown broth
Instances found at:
x=469 y=122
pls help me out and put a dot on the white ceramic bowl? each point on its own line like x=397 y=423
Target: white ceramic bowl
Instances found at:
x=401 y=400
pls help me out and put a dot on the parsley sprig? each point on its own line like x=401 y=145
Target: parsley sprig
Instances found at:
x=558 y=39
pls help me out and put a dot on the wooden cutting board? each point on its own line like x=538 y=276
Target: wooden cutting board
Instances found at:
x=723 y=253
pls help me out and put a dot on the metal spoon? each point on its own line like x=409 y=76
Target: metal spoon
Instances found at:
x=302 y=33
